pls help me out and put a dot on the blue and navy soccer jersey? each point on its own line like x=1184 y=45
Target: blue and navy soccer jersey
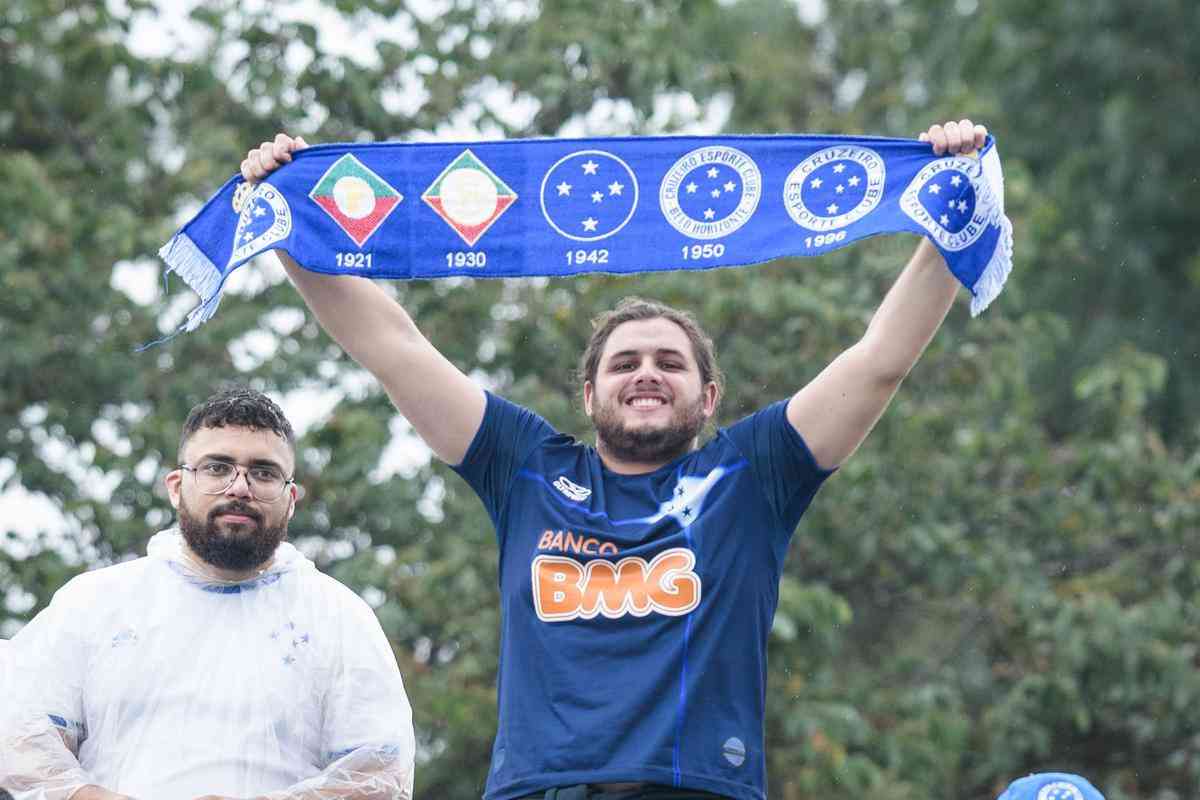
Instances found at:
x=636 y=608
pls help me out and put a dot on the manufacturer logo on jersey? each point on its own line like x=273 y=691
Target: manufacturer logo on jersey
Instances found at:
x=469 y=197
x=589 y=195
x=266 y=219
x=572 y=491
x=945 y=200
x=710 y=192
x=356 y=198
x=734 y=751
x=1059 y=790
x=834 y=187
x=564 y=589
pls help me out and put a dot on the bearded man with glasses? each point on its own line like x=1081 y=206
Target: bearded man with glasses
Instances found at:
x=222 y=665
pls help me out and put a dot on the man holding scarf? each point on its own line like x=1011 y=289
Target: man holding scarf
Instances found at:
x=639 y=577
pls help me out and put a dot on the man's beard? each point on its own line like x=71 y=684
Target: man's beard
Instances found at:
x=646 y=445
x=237 y=549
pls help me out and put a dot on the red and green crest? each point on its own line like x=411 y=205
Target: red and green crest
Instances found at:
x=469 y=197
x=357 y=199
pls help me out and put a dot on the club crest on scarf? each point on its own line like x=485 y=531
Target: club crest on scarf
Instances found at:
x=589 y=195
x=710 y=192
x=266 y=219
x=355 y=197
x=944 y=199
x=469 y=197
x=834 y=187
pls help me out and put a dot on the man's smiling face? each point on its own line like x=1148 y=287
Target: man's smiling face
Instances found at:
x=647 y=401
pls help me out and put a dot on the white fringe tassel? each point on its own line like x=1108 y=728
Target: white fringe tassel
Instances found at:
x=184 y=258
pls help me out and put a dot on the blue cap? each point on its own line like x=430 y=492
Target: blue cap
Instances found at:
x=1051 y=786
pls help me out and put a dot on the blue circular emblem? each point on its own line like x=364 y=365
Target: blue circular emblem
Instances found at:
x=834 y=187
x=710 y=192
x=589 y=195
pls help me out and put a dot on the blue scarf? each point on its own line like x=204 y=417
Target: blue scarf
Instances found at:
x=567 y=206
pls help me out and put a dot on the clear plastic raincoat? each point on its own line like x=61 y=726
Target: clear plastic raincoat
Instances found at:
x=151 y=680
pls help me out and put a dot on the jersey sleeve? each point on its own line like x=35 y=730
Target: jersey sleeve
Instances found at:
x=506 y=437
x=781 y=462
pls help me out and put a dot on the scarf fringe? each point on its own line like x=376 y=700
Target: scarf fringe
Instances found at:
x=188 y=261
x=995 y=274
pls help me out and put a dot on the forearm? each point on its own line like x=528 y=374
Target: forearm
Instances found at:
x=910 y=314
x=368 y=773
x=36 y=761
x=356 y=312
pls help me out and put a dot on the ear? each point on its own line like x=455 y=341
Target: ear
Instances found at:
x=588 y=393
x=297 y=492
x=173 y=480
x=711 y=395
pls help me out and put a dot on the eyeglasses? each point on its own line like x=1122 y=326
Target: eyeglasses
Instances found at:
x=266 y=483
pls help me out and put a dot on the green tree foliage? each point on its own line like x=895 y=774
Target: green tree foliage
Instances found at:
x=1004 y=579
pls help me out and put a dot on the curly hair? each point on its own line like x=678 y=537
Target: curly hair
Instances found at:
x=240 y=407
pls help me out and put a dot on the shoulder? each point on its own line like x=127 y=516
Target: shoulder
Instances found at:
x=92 y=586
x=334 y=596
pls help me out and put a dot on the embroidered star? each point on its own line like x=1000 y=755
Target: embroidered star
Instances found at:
x=687 y=512
x=597 y=197
x=815 y=183
x=955 y=180
x=259 y=211
x=247 y=236
x=840 y=189
x=615 y=188
x=589 y=167
x=590 y=224
x=730 y=186
x=962 y=205
x=839 y=168
x=944 y=219
x=853 y=181
x=691 y=188
x=715 y=192
x=709 y=213
x=934 y=188
x=712 y=172
x=564 y=189
x=679 y=491
x=832 y=208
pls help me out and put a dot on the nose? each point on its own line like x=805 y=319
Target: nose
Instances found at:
x=241 y=484
x=647 y=371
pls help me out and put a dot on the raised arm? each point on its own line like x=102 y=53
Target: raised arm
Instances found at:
x=443 y=405
x=837 y=409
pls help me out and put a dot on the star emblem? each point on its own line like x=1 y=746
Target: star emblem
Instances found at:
x=589 y=167
x=564 y=189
